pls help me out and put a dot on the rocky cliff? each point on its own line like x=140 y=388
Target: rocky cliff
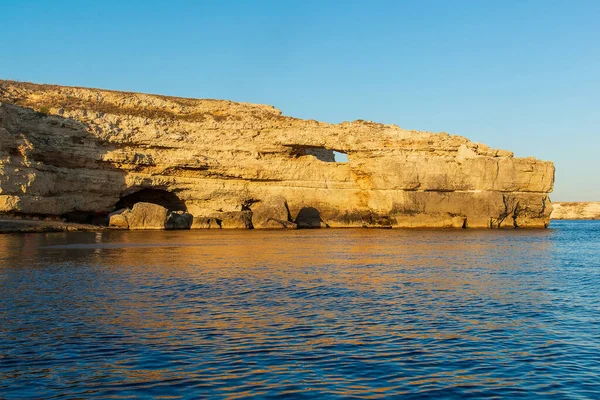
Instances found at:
x=582 y=210
x=80 y=153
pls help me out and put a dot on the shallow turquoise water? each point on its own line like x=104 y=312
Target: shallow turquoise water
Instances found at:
x=320 y=313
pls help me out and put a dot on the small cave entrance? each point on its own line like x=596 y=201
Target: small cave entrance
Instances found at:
x=309 y=218
x=168 y=200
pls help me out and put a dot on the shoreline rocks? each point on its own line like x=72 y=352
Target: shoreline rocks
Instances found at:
x=149 y=216
x=9 y=225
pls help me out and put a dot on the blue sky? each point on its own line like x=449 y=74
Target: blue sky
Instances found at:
x=519 y=75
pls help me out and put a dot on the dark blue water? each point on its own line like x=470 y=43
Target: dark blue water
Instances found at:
x=326 y=313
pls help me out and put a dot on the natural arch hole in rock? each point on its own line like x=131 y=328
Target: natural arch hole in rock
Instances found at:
x=340 y=157
x=164 y=198
x=320 y=153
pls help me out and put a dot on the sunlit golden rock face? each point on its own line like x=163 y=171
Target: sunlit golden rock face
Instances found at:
x=67 y=151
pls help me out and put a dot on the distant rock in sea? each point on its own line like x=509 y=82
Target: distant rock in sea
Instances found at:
x=82 y=154
x=576 y=210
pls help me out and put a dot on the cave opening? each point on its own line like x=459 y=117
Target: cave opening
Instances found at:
x=168 y=200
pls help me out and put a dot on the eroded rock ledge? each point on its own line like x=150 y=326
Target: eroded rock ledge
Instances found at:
x=84 y=153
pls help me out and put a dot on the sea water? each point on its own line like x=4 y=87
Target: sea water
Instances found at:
x=310 y=313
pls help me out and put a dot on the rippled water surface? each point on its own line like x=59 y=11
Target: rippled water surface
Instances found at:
x=321 y=313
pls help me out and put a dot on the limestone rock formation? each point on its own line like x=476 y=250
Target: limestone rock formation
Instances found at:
x=582 y=210
x=118 y=219
x=145 y=216
x=205 y=223
x=179 y=220
x=68 y=151
x=234 y=219
x=272 y=213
